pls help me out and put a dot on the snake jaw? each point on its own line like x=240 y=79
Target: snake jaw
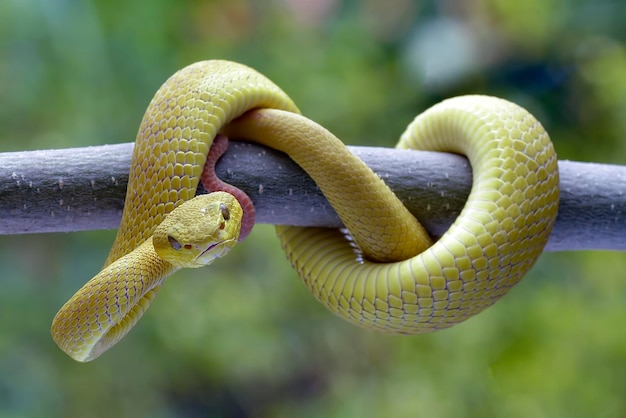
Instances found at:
x=201 y=254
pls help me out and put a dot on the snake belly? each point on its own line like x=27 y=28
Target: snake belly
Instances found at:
x=496 y=239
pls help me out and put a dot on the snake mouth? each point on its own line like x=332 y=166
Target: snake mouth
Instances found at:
x=209 y=248
x=214 y=251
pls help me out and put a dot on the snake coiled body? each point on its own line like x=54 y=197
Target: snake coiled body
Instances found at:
x=400 y=284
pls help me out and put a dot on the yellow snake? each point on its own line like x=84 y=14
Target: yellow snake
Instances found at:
x=397 y=281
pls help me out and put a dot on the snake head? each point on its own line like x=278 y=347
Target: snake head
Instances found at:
x=199 y=230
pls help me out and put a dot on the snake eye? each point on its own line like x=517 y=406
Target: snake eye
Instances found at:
x=174 y=243
x=225 y=212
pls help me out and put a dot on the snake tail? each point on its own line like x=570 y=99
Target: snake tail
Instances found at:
x=212 y=183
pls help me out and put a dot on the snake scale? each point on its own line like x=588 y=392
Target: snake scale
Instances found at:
x=386 y=274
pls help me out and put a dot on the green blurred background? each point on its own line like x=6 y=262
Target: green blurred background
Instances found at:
x=244 y=338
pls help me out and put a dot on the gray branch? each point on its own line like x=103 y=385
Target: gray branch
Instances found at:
x=83 y=188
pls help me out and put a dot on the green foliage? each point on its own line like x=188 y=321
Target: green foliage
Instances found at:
x=243 y=338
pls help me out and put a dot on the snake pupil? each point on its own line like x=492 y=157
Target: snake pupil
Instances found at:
x=174 y=243
x=225 y=212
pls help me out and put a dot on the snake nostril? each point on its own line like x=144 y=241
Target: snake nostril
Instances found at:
x=225 y=212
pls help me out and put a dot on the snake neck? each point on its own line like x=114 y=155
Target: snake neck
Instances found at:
x=125 y=289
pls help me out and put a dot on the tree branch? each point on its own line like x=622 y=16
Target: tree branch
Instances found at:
x=83 y=188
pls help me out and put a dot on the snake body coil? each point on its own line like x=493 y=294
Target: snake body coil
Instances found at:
x=402 y=284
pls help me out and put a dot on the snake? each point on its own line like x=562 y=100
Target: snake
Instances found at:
x=382 y=271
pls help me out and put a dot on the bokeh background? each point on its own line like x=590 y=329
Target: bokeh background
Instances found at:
x=244 y=338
